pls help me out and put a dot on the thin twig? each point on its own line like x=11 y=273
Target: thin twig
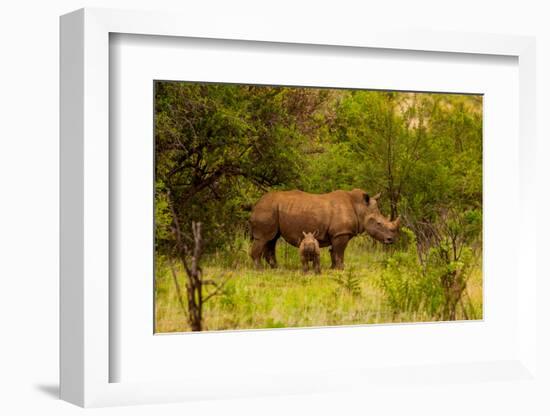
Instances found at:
x=218 y=289
x=464 y=310
x=178 y=288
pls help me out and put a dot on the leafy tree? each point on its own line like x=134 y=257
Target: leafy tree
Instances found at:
x=218 y=147
x=423 y=150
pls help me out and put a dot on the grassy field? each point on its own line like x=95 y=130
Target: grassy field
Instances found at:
x=286 y=297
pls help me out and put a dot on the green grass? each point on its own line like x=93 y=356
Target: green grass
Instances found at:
x=286 y=297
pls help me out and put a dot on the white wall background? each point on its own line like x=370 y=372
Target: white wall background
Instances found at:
x=29 y=116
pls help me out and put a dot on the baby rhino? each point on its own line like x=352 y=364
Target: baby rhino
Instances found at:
x=309 y=251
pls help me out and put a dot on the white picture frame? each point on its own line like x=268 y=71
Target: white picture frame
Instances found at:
x=85 y=220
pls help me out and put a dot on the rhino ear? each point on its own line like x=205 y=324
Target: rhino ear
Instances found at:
x=367 y=198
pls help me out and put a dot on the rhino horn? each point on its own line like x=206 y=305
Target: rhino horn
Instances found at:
x=397 y=222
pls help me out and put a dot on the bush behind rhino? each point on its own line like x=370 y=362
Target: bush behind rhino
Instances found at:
x=433 y=282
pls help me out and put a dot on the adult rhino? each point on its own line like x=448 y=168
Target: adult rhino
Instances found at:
x=337 y=217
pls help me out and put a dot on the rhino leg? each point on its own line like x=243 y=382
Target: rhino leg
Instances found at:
x=258 y=248
x=269 y=253
x=317 y=264
x=305 y=265
x=264 y=230
x=339 y=245
x=332 y=259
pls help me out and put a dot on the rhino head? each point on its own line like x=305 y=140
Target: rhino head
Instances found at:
x=376 y=225
x=309 y=242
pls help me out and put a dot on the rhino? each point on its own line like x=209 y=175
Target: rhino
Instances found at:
x=309 y=252
x=337 y=217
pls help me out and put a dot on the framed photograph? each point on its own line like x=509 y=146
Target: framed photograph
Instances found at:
x=253 y=182
x=280 y=213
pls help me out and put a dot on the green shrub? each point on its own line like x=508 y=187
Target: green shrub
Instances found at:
x=406 y=284
x=349 y=282
x=430 y=285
